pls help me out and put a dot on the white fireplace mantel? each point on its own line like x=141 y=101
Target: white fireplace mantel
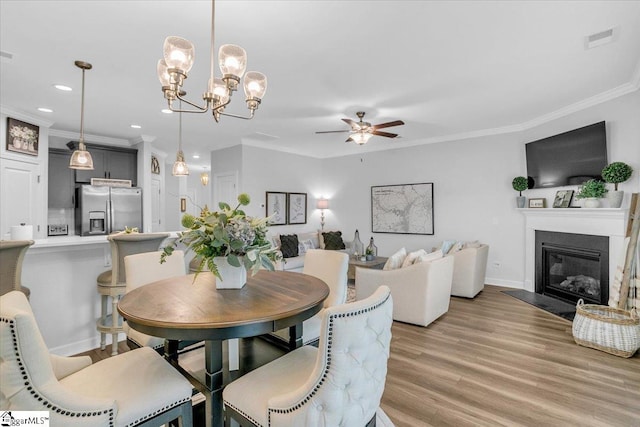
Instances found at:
x=599 y=222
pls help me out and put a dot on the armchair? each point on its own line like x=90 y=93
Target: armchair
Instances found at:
x=421 y=292
x=469 y=271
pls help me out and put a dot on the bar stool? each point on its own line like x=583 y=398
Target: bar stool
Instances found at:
x=112 y=283
x=11 y=256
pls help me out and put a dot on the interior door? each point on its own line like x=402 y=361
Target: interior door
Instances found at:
x=225 y=188
x=156 y=208
x=20 y=193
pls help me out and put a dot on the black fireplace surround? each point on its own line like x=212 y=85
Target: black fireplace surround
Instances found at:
x=572 y=266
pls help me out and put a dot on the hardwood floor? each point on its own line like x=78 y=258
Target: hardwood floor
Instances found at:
x=497 y=361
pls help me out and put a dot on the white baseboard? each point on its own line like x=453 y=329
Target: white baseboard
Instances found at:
x=77 y=347
x=506 y=283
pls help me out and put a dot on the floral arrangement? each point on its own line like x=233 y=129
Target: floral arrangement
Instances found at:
x=24 y=134
x=592 y=189
x=227 y=233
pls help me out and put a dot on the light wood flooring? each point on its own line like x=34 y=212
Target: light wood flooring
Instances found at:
x=498 y=361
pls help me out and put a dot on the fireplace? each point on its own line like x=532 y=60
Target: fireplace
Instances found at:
x=572 y=266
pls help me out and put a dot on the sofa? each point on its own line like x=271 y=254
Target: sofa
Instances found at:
x=306 y=241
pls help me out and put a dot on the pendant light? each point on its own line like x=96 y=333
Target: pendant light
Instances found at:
x=81 y=158
x=180 y=166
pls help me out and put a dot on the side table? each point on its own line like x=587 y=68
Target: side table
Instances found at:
x=376 y=263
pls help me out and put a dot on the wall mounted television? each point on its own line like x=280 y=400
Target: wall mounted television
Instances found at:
x=570 y=158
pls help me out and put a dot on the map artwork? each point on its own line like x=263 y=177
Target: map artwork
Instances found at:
x=402 y=209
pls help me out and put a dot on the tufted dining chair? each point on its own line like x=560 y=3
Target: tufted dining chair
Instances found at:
x=340 y=383
x=144 y=268
x=136 y=388
x=111 y=283
x=12 y=254
x=330 y=267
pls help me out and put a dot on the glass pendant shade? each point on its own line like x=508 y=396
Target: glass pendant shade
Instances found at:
x=219 y=88
x=361 y=138
x=255 y=84
x=180 y=166
x=81 y=159
x=163 y=74
x=179 y=53
x=204 y=178
x=232 y=59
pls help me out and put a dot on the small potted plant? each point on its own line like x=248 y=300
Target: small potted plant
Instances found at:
x=616 y=173
x=520 y=183
x=592 y=191
x=369 y=254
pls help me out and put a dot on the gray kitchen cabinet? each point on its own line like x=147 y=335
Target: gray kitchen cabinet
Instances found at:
x=61 y=180
x=110 y=163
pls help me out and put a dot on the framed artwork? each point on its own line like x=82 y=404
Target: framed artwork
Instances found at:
x=537 y=203
x=22 y=137
x=276 y=207
x=155 y=165
x=402 y=209
x=183 y=204
x=562 y=199
x=297 y=210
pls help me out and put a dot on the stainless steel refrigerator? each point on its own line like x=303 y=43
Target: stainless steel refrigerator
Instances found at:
x=104 y=210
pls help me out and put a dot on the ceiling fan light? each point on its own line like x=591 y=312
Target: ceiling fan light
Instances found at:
x=179 y=53
x=232 y=60
x=255 y=85
x=361 y=138
x=163 y=74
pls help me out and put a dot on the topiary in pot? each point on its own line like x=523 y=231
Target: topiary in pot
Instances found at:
x=616 y=173
x=520 y=183
x=592 y=190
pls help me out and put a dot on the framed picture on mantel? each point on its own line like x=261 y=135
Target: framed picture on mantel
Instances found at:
x=537 y=203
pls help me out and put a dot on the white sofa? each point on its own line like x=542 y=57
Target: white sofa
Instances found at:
x=421 y=292
x=296 y=264
x=469 y=270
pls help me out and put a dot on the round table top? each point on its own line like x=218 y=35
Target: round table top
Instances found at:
x=181 y=308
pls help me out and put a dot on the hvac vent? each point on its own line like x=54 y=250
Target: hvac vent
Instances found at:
x=599 y=39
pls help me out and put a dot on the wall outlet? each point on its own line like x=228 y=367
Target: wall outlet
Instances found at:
x=496 y=265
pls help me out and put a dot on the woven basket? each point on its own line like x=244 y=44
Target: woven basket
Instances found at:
x=607 y=329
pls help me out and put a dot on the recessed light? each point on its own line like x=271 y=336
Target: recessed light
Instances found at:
x=136 y=126
x=167 y=111
x=196 y=156
x=63 y=88
x=45 y=110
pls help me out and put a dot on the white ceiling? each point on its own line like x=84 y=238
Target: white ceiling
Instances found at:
x=448 y=69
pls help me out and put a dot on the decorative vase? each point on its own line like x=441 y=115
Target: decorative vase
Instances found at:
x=615 y=198
x=521 y=200
x=232 y=277
x=370 y=257
x=372 y=249
x=358 y=246
x=591 y=202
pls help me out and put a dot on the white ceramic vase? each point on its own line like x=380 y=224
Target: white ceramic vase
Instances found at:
x=232 y=277
x=615 y=198
x=591 y=202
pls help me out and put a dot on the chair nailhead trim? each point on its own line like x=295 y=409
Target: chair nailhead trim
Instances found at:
x=159 y=411
x=243 y=414
x=308 y=397
x=38 y=396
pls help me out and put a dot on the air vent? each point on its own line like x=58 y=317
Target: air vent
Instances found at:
x=599 y=39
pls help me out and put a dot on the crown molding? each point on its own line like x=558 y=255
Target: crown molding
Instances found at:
x=97 y=139
x=20 y=115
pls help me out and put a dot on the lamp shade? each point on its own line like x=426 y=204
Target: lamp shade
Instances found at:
x=361 y=138
x=163 y=74
x=255 y=85
x=179 y=53
x=180 y=166
x=232 y=59
x=81 y=159
x=323 y=204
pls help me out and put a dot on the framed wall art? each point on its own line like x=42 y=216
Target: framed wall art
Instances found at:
x=297 y=211
x=537 y=203
x=22 y=137
x=402 y=209
x=276 y=207
x=562 y=199
x=155 y=165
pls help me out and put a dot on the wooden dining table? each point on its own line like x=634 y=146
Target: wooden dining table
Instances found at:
x=184 y=308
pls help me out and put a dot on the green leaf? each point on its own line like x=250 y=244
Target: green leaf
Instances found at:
x=233 y=260
x=224 y=206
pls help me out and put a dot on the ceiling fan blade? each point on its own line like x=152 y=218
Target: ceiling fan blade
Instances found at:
x=350 y=140
x=387 y=134
x=388 y=124
x=350 y=122
x=333 y=131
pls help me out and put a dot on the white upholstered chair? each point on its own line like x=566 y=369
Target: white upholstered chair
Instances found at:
x=111 y=283
x=136 y=388
x=469 y=271
x=330 y=267
x=144 y=268
x=12 y=254
x=421 y=292
x=340 y=383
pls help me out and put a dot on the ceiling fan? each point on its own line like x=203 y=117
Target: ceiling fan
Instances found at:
x=362 y=131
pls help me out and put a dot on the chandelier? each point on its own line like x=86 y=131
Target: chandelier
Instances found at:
x=179 y=55
x=81 y=159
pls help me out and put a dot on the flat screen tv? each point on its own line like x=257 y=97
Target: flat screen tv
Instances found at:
x=570 y=158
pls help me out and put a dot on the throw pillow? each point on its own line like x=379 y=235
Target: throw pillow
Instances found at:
x=447 y=245
x=412 y=257
x=474 y=244
x=333 y=240
x=304 y=246
x=289 y=245
x=457 y=246
x=429 y=257
x=395 y=261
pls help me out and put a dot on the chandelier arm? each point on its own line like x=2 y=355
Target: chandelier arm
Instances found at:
x=239 y=117
x=180 y=110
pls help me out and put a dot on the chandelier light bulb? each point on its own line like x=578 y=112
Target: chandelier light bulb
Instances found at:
x=255 y=85
x=361 y=138
x=219 y=88
x=179 y=53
